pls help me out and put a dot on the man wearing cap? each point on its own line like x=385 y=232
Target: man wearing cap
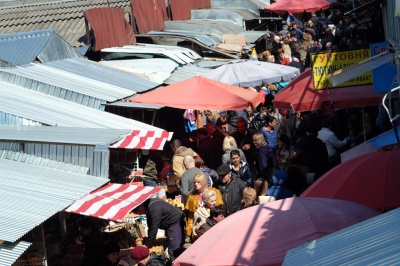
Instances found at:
x=162 y=215
x=231 y=189
x=111 y=255
x=143 y=257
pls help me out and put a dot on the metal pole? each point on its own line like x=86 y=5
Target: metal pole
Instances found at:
x=44 y=245
x=63 y=225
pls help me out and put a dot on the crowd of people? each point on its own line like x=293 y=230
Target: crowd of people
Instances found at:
x=324 y=31
x=231 y=160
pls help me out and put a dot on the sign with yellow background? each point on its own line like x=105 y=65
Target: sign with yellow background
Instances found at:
x=324 y=64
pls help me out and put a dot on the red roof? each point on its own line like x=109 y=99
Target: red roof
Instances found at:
x=113 y=201
x=110 y=27
x=149 y=15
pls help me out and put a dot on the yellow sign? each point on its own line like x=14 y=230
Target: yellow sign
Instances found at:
x=327 y=63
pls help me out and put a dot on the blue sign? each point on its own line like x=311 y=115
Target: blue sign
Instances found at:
x=383 y=76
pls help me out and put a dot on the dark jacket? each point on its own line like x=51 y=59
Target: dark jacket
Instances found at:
x=159 y=215
x=232 y=195
x=205 y=227
x=244 y=173
x=264 y=161
x=94 y=245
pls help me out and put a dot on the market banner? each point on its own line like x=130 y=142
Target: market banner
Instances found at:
x=324 y=64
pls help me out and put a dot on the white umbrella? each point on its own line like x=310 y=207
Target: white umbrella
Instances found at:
x=246 y=73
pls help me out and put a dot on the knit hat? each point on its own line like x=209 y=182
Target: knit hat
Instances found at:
x=111 y=247
x=140 y=253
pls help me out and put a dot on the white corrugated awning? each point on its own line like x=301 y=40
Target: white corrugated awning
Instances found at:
x=112 y=202
x=143 y=140
x=31 y=194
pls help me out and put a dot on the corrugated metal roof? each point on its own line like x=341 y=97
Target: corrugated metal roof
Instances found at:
x=149 y=15
x=238 y=4
x=78 y=80
x=35 y=160
x=135 y=105
x=179 y=54
x=25 y=47
x=10 y=252
x=62 y=135
x=371 y=242
x=64 y=17
x=93 y=70
x=204 y=38
x=34 y=193
x=186 y=72
x=153 y=69
x=53 y=111
x=216 y=28
x=237 y=16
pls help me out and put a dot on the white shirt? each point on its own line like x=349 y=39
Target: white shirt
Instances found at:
x=331 y=141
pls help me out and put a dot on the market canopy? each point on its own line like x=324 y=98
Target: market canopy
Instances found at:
x=143 y=140
x=296 y=6
x=246 y=73
x=201 y=93
x=301 y=95
x=113 y=201
x=31 y=194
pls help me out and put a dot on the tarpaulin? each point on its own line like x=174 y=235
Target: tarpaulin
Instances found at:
x=113 y=201
x=143 y=140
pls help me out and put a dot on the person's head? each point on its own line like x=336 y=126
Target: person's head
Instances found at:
x=175 y=144
x=282 y=155
x=259 y=140
x=249 y=111
x=222 y=123
x=188 y=162
x=111 y=250
x=241 y=125
x=224 y=173
x=209 y=198
x=229 y=143
x=249 y=197
x=235 y=157
x=261 y=186
x=295 y=156
x=198 y=162
x=217 y=214
x=326 y=123
x=271 y=59
x=86 y=226
x=210 y=128
x=200 y=182
x=283 y=141
x=271 y=121
x=140 y=254
x=139 y=210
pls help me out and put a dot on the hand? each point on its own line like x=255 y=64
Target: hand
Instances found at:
x=347 y=139
x=246 y=147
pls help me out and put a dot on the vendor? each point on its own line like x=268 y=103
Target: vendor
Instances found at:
x=162 y=215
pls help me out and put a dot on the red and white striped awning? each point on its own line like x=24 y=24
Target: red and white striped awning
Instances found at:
x=113 y=201
x=144 y=140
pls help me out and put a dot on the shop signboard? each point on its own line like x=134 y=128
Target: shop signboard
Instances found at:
x=324 y=64
x=383 y=75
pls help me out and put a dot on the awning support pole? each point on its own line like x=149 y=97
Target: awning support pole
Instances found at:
x=363 y=120
x=63 y=225
x=44 y=245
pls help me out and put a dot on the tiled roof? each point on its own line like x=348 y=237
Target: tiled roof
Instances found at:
x=64 y=17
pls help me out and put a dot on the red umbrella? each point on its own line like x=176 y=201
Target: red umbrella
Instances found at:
x=200 y=93
x=371 y=179
x=301 y=94
x=262 y=234
x=297 y=6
